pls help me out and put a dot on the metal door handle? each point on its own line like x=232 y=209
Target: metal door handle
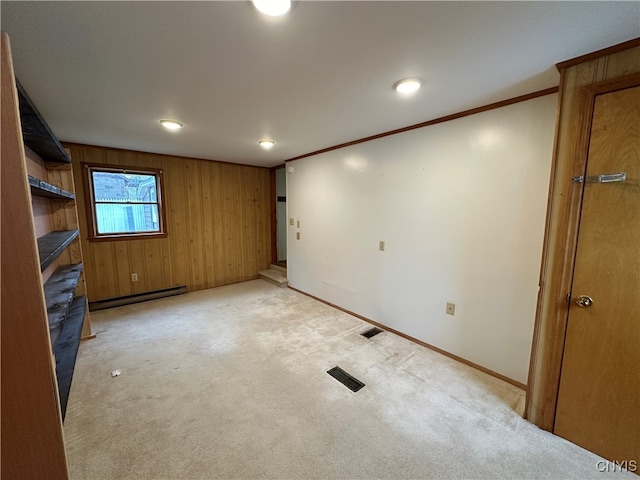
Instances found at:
x=584 y=301
x=602 y=178
x=612 y=177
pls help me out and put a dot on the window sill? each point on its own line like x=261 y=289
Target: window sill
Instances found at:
x=118 y=238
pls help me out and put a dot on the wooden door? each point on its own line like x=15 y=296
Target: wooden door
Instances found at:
x=599 y=397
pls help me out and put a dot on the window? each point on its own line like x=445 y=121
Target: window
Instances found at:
x=124 y=202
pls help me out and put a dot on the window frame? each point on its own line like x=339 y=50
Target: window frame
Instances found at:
x=90 y=204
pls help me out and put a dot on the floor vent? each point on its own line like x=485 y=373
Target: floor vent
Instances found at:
x=347 y=380
x=372 y=332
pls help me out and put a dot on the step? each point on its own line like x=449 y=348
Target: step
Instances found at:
x=278 y=268
x=274 y=277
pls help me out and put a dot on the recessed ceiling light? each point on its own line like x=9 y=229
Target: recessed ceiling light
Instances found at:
x=273 y=8
x=171 y=124
x=267 y=144
x=408 y=85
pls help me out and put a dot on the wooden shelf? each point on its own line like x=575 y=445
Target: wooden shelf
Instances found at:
x=40 y=188
x=51 y=245
x=66 y=349
x=58 y=294
x=36 y=134
x=44 y=322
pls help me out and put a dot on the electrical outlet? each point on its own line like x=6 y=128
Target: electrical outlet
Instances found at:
x=381 y=245
x=298 y=223
x=297 y=235
x=451 y=308
x=134 y=277
x=291 y=222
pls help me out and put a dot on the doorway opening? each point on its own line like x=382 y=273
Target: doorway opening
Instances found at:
x=281 y=217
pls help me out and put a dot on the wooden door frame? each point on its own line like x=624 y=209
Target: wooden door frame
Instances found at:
x=558 y=260
x=273 y=206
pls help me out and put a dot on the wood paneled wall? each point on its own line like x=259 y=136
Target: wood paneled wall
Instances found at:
x=218 y=225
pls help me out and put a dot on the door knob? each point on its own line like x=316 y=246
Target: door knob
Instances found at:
x=584 y=301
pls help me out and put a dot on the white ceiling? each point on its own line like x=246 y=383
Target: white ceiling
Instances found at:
x=104 y=73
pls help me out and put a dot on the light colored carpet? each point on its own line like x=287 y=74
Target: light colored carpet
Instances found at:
x=231 y=383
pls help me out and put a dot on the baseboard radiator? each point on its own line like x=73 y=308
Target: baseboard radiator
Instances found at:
x=137 y=298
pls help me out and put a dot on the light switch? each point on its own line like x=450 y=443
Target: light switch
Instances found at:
x=298 y=223
x=297 y=235
x=291 y=222
x=381 y=245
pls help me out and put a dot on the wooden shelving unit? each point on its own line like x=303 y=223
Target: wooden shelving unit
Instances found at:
x=66 y=303
x=44 y=304
x=59 y=292
x=52 y=244
x=36 y=134
x=40 y=188
x=66 y=348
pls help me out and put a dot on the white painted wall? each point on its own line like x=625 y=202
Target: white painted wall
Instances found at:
x=461 y=206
